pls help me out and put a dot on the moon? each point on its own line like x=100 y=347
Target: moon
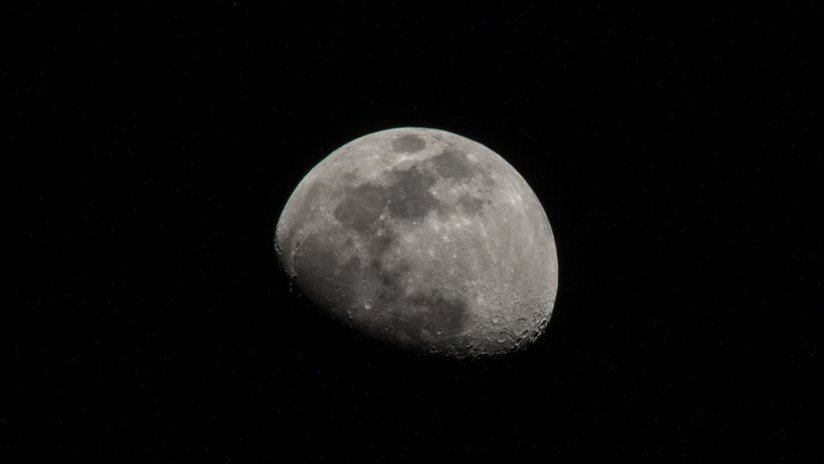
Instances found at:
x=424 y=239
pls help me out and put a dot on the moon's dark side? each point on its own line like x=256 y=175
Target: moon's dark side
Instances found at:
x=425 y=239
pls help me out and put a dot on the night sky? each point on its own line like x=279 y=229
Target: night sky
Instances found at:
x=151 y=148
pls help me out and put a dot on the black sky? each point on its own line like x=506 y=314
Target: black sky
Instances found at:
x=677 y=152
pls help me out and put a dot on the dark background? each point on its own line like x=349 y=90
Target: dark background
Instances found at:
x=152 y=147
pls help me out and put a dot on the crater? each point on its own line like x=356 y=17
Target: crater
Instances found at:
x=408 y=143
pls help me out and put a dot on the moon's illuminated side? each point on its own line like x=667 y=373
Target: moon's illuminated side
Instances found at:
x=425 y=239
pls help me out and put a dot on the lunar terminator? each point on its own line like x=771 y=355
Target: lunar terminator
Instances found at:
x=424 y=239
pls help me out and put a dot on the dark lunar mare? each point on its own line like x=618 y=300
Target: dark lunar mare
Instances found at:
x=452 y=164
x=361 y=206
x=313 y=259
x=408 y=143
x=408 y=197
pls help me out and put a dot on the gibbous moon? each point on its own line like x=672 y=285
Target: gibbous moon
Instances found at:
x=424 y=239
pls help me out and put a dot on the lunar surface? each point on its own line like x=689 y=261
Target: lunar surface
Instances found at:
x=424 y=239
